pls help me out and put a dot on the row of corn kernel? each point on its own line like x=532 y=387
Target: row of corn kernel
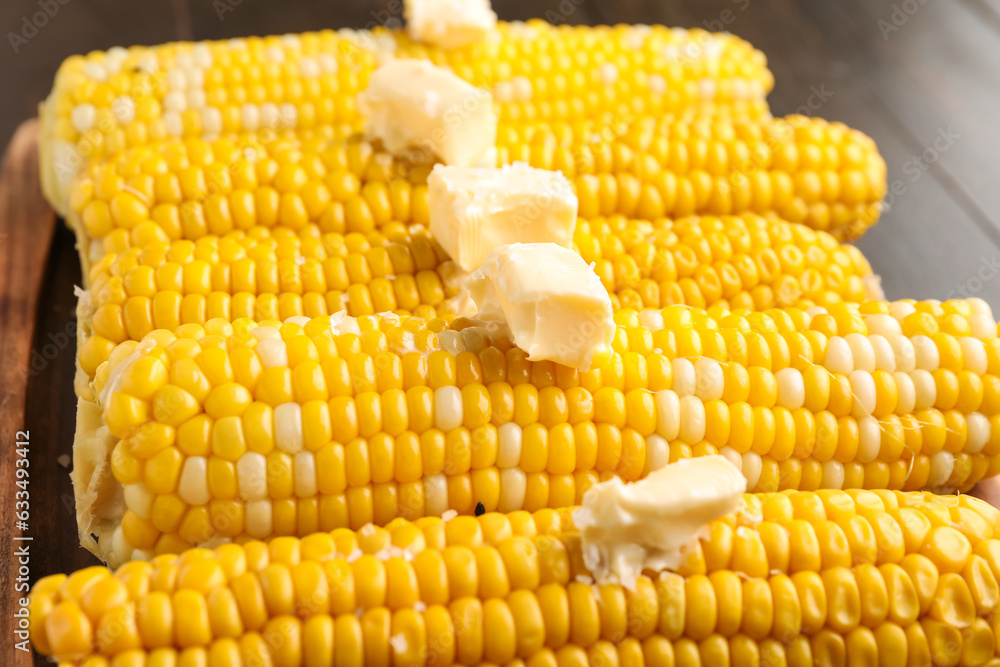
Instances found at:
x=882 y=571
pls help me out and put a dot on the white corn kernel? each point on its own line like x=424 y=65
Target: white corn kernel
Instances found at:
x=201 y=55
x=979 y=432
x=906 y=401
x=983 y=326
x=980 y=307
x=259 y=521
x=274 y=54
x=885 y=358
x=942 y=465
x=288 y=435
x=861 y=351
x=839 y=357
x=83 y=117
x=900 y=309
x=289 y=115
x=668 y=414
x=513 y=489
x=309 y=68
x=924 y=388
x=176 y=80
x=273 y=353
x=523 y=90
x=733 y=456
x=657 y=84
x=928 y=356
x=251 y=476
x=124 y=109
x=863 y=388
x=196 y=99
x=906 y=356
x=436 y=494
x=651 y=319
x=193 y=484
x=304 y=468
x=138 y=499
x=685 y=381
x=833 y=475
x=173 y=122
x=791 y=388
x=974 y=354
x=751 y=468
x=175 y=100
x=448 y=408
x=608 y=74
x=869 y=440
x=327 y=63
x=882 y=325
x=211 y=121
x=710 y=379
x=121 y=548
x=263 y=333
x=657 y=453
x=195 y=78
x=692 y=420
x=269 y=117
x=509 y=449
x=250 y=115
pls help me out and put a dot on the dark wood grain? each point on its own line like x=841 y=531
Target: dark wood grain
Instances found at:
x=939 y=239
x=26 y=228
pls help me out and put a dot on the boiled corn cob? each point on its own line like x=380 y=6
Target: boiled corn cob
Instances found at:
x=794 y=578
x=805 y=170
x=747 y=262
x=106 y=102
x=256 y=431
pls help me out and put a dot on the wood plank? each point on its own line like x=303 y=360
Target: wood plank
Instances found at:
x=917 y=255
x=229 y=18
x=50 y=393
x=26 y=228
x=988 y=10
x=934 y=73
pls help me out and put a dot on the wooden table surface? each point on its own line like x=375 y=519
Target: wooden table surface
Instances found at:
x=922 y=78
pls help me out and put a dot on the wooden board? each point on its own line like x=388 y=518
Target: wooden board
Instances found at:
x=938 y=69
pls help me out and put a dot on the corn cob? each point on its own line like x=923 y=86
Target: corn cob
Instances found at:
x=802 y=169
x=106 y=102
x=240 y=431
x=807 y=170
x=794 y=578
x=750 y=262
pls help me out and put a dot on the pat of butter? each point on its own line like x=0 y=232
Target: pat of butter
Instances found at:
x=415 y=106
x=554 y=305
x=473 y=211
x=648 y=524
x=450 y=24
